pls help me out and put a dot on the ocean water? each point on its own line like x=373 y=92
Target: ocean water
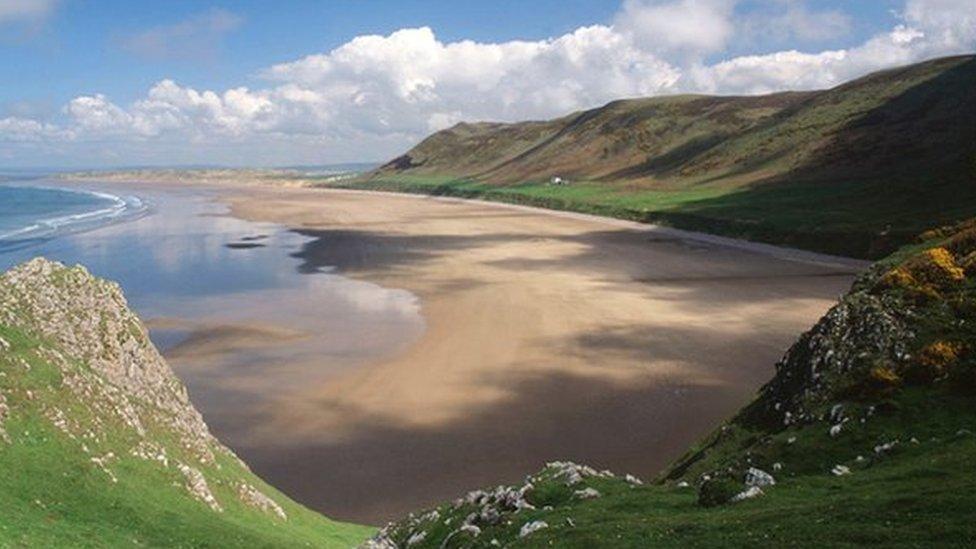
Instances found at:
x=33 y=214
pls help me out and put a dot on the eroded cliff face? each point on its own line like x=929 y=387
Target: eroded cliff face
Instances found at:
x=75 y=354
x=89 y=320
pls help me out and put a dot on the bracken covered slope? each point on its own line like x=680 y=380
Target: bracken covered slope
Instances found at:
x=865 y=435
x=909 y=116
x=855 y=170
x=99 y=443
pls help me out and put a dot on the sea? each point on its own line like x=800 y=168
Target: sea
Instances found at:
x=31 y=213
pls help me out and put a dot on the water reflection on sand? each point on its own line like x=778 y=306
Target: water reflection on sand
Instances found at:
x=226 y=303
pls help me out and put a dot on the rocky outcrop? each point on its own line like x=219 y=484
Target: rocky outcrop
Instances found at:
x=197 y=485
x=89 y=320
x=104 y=357
x=85 y=396
x=468 y=516
x=3 y=415
x=862 y=332
x=250 y=495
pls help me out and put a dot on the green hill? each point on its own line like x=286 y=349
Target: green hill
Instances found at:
x=864 y=436
x=854 y=170
x=99 y=444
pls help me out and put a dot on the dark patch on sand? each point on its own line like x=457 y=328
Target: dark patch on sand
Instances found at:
x=243 y=245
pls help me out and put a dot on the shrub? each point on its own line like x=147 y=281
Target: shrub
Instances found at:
x=935 y=266
x=715 y=492
x=900 y=279
x=932 y=362
x=897 y=278
x=939 y=354
x=881 y=380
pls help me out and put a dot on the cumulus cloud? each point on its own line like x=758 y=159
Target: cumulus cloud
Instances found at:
x=198 y=37
x=376 y=94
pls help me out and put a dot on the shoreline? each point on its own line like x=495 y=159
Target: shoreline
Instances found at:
x=278 y=179
x=782 y=252
x=114 y=210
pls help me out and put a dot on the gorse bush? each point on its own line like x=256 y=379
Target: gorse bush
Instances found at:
x=881 y=380
x=936 y=267
x=933 y=361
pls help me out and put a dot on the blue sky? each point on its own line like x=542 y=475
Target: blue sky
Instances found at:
x=82 y=78
x=80 y=49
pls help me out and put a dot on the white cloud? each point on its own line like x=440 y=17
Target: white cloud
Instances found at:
x=374 y=95
x=684 y=28
x=14 y=129
x=949 y=25
x=198 y=37
x=929 y=28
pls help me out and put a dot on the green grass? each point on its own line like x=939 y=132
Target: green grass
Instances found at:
x=52 y=494
x=824 y=218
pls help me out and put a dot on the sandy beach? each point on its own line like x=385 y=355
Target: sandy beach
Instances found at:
x=547 y=337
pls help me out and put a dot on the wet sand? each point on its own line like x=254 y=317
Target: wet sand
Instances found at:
x=547 y=337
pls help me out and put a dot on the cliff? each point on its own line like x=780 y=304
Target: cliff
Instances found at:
x=99 y=441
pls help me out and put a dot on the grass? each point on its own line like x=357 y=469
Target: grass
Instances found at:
x=824 y=218
x=53 y=494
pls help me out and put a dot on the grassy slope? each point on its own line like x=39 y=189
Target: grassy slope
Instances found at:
x=53 y=494
x=830 y=171
x=921 y=492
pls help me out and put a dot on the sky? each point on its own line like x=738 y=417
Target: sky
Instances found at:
x=106 y=83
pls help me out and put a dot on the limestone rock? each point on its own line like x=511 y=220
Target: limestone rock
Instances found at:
x=751 y=492
x=586 y=493
x=196 y=484
x=250 y=495
x=758 y=477
x=530 y=528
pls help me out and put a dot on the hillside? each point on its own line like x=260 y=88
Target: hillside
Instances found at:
x=99 y=443
x=865 y=435
x=854 y=170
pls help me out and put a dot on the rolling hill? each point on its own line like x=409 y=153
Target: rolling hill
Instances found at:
x=854 y=170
